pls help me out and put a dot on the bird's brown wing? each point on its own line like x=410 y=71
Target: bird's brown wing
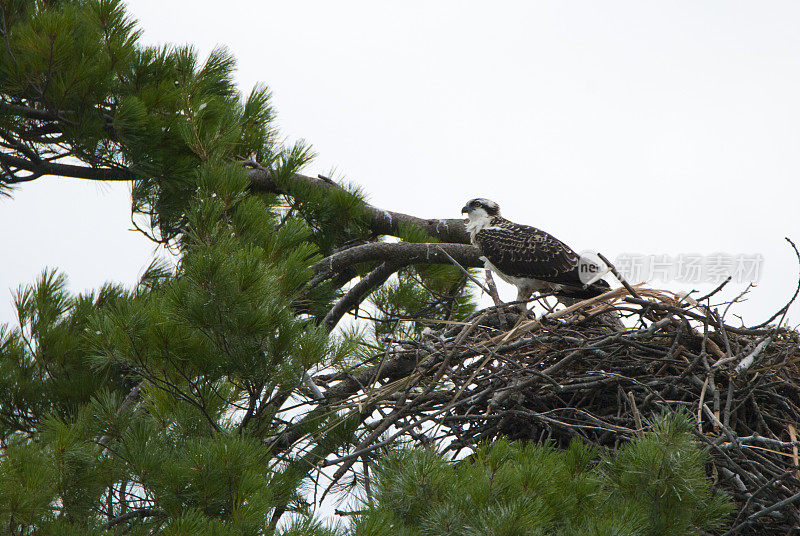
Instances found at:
x=524 y=251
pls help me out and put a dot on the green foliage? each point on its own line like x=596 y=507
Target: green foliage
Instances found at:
x=207 y=343
x=149 y=410
x=27 y=485
x=161 y=112
x=667 y=482
x=43 y=367
x=655 y=485
x=420 y=295
x=334 y=216
x=165 y=409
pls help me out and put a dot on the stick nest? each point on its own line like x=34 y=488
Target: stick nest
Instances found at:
x=572 y=374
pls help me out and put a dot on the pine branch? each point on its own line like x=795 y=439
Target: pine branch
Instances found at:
x=29 y=112
x=382 y=222
x=358 y=293
x=143 y=512
x=393 y=255
x=401 y=254
x=38 y=168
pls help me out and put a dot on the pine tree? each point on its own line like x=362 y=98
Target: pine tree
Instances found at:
x=185 y=405
x=182 y=405
x=655 y=486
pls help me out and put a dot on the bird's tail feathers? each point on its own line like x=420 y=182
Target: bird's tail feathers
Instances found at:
x=595 y=289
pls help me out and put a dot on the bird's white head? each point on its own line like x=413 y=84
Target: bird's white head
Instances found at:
x=480 y=208
x=480 y=212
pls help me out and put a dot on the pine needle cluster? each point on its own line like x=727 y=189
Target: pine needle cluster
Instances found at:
x=655 y=485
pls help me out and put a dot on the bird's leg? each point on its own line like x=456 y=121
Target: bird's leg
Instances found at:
x=546 y=304
x=501 y=314
x=523 y=293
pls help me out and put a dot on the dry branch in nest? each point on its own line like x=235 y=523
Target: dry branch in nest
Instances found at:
x=569 y=374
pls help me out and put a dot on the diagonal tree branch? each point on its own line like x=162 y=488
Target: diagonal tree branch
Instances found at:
x=28 y=112
x=43 y=167
x=127 y=516
x=382 y=222
x=358 y=293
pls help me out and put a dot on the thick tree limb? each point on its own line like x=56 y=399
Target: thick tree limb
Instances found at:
x=381 y=221
x=393 y=256
x=43 y=167
x=402 y=254
x=45 y=115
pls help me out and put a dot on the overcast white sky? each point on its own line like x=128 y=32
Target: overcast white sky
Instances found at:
x=629 y=127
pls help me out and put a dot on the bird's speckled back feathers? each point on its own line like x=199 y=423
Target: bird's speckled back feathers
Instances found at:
x=525 y=251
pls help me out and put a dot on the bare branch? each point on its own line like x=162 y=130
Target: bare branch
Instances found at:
x=785 y=308
x=402 y=253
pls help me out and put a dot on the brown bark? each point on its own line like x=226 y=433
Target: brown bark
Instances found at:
x=382 y=222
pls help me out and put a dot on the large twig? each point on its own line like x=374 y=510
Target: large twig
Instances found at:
x=777 y=506
x=785 y=308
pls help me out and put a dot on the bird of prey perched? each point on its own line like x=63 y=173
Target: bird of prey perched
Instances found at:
x=526 y=257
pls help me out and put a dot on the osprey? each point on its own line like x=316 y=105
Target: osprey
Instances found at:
x=527 y=257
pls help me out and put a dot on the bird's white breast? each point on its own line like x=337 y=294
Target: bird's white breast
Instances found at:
x=478 y=220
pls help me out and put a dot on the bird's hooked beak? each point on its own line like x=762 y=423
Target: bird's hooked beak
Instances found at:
x=465 y=209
